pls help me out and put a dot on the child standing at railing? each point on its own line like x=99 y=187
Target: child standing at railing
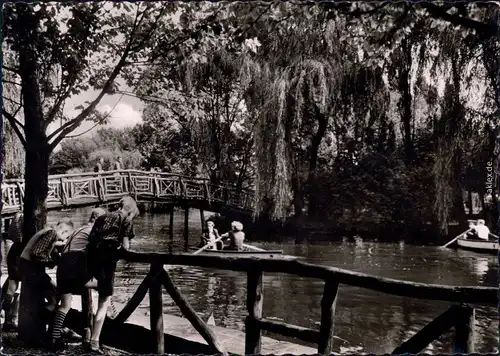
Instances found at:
x=111 y=232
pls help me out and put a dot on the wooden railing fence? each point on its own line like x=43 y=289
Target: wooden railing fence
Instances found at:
x=459 y=316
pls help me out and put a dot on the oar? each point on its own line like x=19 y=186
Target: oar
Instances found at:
x=495 y=236
x=456 y=238
x=207 y=246
x=253 y=247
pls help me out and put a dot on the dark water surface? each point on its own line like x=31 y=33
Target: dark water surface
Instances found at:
x=367 y=321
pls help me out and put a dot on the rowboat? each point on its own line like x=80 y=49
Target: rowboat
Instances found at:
x=245 y=253
x=487 y=246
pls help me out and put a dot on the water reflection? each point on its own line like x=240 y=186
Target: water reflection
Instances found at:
x=368 y=321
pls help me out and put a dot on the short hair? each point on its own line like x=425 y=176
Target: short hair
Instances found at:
x=128 y=205
x=96 y=213
x=237 y=225
x=481 y=221
x=66 y=222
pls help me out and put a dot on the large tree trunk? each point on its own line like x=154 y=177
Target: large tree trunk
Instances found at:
x=31 y=320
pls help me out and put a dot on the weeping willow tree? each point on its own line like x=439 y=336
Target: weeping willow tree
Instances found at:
x=272 y=184
x=293 y=96
x=455 y=63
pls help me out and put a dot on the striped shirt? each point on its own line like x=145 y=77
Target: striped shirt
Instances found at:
x=15 y=232
x=111 y=228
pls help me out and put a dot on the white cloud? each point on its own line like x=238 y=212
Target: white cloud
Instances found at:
x=121 y=116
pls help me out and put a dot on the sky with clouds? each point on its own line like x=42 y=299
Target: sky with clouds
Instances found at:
x=124 y=111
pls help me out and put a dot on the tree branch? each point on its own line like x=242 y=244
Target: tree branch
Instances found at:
x=101 y=121
x=59 y=134
x=11 y=69
x=11 y=82
x=441 y=13
x=14 y=124
x=65 y=92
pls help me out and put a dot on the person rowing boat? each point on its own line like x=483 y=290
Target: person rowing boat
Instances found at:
x=210 y=235
x=236 y=236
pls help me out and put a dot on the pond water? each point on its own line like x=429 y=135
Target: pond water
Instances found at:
x=366 y=321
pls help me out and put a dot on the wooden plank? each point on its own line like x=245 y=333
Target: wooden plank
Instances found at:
x=465 y=318
x=187 y=310
x=328 y=304
x=464 y=294
x=156 y=314
x=255 y=299
x=428 y=333
x=289 y=330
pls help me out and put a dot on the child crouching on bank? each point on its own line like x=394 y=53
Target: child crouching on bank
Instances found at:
x=41 y=252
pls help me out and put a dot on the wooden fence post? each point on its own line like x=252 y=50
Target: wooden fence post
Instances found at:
x=326 y=330
x=100 y=188
x=20 y=193
x=64 y=193
x=156 y=313
x=464 y=330
x=255 y=299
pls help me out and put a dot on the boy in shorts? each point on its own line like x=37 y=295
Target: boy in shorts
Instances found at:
x=111 y=232
x=41 y=252
x=72 y=275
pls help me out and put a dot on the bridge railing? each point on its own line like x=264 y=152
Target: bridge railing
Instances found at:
x=69 y=190
x=460 y=315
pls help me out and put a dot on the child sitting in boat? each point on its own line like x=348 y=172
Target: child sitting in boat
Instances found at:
x=472 y=234
x=236 y=237
x=482 y=230
x=210 y=235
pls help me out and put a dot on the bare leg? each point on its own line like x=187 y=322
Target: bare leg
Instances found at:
x=99 y=318
x=11 y=304
x=59 y=317
x=51 y=296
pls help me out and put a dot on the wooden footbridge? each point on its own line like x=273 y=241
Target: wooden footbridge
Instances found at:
x=68 y=191
x=163 y=333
